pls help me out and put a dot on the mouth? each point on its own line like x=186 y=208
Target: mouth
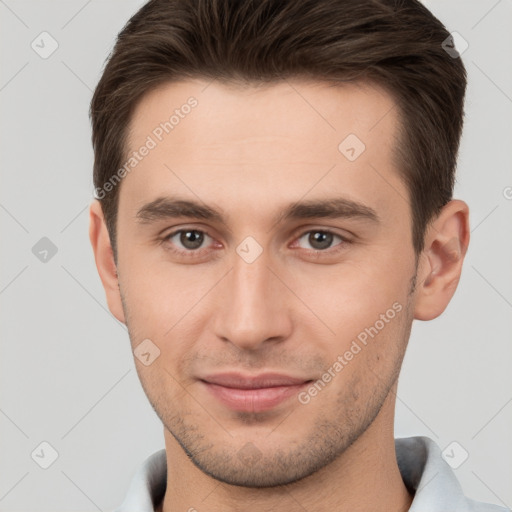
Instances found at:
x=253 y=393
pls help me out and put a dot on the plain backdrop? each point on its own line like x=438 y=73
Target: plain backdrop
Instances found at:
x=67 y=376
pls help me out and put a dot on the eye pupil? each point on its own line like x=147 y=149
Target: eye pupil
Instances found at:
x=191 y=239
x=320 y=239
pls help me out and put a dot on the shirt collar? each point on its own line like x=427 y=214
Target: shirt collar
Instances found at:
x=428 y=476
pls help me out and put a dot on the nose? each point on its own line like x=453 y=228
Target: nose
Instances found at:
x=253 y=306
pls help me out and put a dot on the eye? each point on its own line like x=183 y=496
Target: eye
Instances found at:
x=319 y=240
x=188 y=239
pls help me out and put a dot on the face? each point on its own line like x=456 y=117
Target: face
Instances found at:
x=255 y=239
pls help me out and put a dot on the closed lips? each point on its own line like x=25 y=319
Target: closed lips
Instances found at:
x=239 y=381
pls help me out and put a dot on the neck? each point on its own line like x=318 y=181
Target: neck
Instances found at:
x=366 y=477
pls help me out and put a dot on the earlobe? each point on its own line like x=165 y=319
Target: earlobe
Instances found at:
x=104 y=257
x=440 y=267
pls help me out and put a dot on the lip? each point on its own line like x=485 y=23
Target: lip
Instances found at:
x=253 y=393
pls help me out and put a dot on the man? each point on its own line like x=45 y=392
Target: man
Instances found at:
x=274 y=208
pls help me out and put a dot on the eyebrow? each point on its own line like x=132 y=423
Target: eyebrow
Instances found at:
x=165 y=208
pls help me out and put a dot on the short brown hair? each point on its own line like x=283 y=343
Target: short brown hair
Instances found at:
x=396 y=44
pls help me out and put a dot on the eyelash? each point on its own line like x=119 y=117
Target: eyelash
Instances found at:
x=197 y=253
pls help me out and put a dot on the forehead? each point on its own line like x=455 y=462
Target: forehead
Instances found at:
x=289 y=108
x=208 y=139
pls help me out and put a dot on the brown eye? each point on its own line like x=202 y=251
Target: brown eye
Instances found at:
x=191 y=239
x=188 y=239
x=319 y=240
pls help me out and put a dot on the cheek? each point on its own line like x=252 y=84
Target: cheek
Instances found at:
x=353 y=296
x=163 y=301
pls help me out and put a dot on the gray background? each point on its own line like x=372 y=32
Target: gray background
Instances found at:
x=67 y=374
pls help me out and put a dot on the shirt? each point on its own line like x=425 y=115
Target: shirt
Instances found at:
x=424 y=472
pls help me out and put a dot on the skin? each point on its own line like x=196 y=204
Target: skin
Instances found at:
x=249 y=152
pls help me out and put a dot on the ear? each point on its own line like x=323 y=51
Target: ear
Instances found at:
x=104 y=256
x=440 y=265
